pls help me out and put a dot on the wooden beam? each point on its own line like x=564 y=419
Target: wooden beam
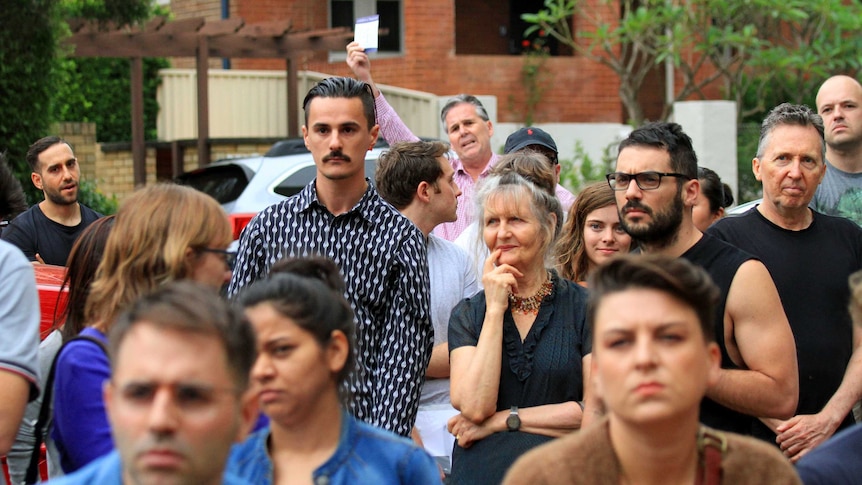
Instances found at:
x=292 y=98
x=153 y=24
x=202 y=65
x=139 y=149
x=222 y=27
x=184 y=25
x=274 y=28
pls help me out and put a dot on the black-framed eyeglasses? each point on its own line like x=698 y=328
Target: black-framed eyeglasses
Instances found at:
x=229 y=256
x=645 y=180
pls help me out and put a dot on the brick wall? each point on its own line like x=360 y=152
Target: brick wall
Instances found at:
x=111 y=167
x=578 y=90
x=82 y=137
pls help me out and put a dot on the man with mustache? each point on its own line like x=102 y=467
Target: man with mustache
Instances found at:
x=47 y=231
x=810 y=256
x=656 y=187
x=177 y=398
x=381 y=254
x=839 y=103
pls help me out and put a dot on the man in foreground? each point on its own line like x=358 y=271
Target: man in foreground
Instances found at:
x=177 y=397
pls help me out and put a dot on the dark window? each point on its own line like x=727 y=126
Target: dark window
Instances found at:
x=342 y=15
x=299 y=179
x=224 y=183
x=486 y=27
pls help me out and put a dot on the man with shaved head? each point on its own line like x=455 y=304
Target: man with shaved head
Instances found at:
x=839 y=102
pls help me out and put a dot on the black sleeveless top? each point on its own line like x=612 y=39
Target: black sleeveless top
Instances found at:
x=721 y=261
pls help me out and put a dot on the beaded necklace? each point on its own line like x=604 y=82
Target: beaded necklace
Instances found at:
x=530 y=305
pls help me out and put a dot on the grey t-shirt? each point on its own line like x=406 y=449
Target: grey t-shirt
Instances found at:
x=840 y=194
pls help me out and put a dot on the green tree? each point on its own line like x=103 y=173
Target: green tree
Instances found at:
x=627 y=36
x=98 y=90
x=784 y=47
x=29 y=32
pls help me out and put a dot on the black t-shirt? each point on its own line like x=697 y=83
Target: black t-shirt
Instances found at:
x=810 y=269
x=34 y=233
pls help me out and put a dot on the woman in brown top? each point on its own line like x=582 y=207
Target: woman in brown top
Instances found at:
x=653 y=358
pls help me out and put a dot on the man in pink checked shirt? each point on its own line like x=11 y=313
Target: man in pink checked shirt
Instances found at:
x=469 y=129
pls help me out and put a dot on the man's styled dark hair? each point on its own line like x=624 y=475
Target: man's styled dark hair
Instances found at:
x=670 y=137
x=404 y=166
x=793 y=115
x=343 y=87
x=676 y=277
x=40 y=146
x=184 y=306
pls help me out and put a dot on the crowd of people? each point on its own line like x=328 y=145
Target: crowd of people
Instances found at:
x=461 y=313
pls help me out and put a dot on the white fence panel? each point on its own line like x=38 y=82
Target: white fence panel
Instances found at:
x=252 y=104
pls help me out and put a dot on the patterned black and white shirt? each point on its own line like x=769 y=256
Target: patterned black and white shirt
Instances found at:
x=383 y=258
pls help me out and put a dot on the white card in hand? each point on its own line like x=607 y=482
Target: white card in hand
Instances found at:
x=365 y=33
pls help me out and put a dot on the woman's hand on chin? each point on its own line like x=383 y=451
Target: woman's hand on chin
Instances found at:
x=467 y=432
x=499 y=281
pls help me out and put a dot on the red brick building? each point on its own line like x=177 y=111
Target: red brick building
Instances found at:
x=448 y=47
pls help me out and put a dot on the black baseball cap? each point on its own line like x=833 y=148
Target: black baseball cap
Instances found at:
x=529 y=136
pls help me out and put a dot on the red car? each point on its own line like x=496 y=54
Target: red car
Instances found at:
x=52 y=301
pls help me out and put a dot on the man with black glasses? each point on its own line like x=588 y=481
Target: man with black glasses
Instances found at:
x=656 y=186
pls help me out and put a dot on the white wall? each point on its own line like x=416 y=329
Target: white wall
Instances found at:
x=712 y=128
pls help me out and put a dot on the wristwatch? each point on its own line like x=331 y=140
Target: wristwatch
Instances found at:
x=513 y=422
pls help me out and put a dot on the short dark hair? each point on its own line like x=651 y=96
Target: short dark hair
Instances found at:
x=404 y=166
x=676 y=277
x=716 y=192
x=343 y=87
x=669 y=137
x=40 y=146
x=12 y=199
x=184 y=306
x=794 y=115
x=309 y=291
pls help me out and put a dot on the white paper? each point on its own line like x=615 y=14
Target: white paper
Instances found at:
x=365 y=33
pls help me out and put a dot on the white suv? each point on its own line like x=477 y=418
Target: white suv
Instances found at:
x=246 y=186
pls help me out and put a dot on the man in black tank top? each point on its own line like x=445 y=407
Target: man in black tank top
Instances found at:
x=656 y=186
x=810 y=256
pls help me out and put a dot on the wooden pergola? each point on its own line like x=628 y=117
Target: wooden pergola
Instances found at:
x=202 y=39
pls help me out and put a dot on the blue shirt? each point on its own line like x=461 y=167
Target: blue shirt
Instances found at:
x=365 y=454
x=80 y=429
x=108 y=470
x=836 y=461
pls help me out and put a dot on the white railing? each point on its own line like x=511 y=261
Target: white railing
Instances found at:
x=253 y=104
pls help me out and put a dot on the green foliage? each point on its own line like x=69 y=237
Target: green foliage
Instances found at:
x=534 y=80
x=581 y=170
x=746 y=147
x=117 y=11
x=98 y=90
x=93 y=198
x=785 y=47
x=28 y=35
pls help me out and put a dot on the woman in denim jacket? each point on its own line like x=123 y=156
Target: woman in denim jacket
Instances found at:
x=305 y=340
